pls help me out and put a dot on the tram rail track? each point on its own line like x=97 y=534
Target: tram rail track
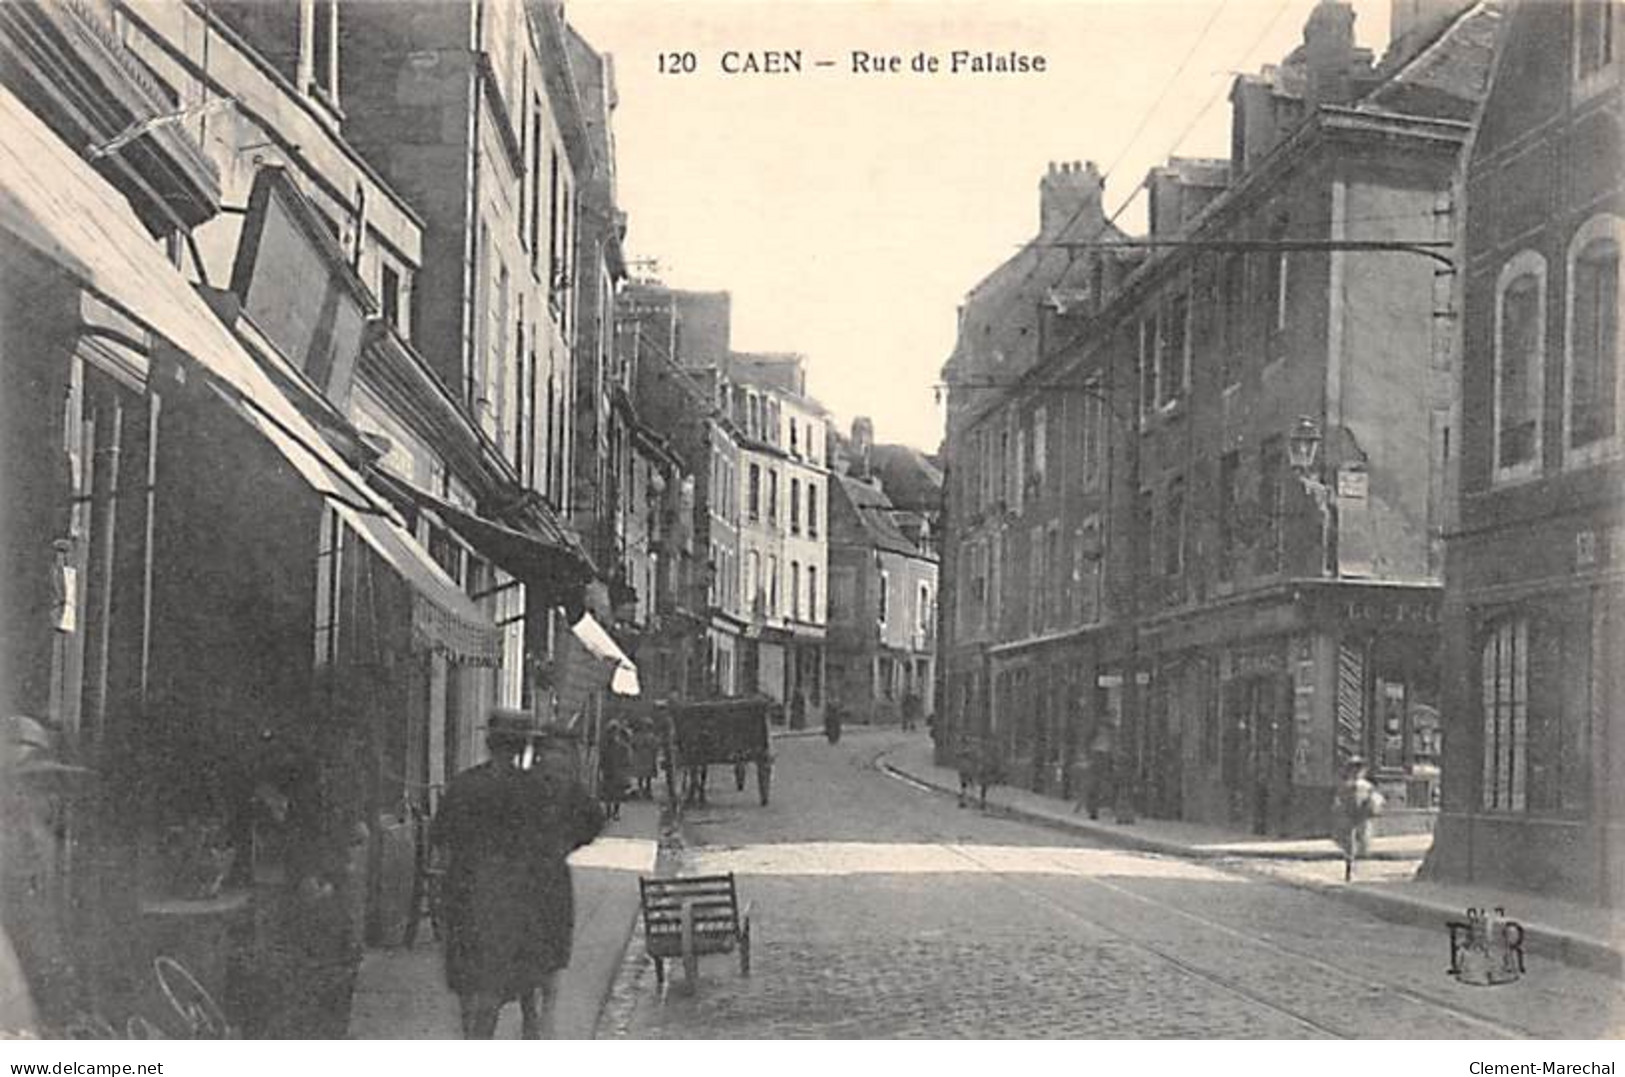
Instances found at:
x=1484 y=1025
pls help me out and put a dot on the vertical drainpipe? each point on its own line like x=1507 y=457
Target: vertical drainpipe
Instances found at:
x=471 y=204
x=1331 y=425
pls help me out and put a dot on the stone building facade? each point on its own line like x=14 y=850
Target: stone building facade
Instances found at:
x=1138 y=565
x=1532 y=743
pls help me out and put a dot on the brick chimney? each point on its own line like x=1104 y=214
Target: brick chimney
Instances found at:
x=1069 y=199
x=863 y=440
x=1329 y=53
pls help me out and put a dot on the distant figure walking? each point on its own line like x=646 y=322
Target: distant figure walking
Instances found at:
x=1100 y=789
x=1354 y=806
x=507 y=826
x=645 y=759
x=614 y=762
x=911 y=709
x=832 y=723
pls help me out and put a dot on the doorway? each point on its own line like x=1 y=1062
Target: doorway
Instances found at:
x=1258 y=752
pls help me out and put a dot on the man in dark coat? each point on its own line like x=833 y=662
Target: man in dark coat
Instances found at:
x=507 y=903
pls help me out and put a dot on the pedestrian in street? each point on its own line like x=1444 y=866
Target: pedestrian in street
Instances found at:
x=1355 y=804
x=911 y=710
x=1101 y=788
x=832 y=723
x=506 y=827
x=614 y=763
x=645 y=758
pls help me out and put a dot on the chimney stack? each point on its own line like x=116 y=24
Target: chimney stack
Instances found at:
x=1069 y=199
x=863 y=439
x=1328 y=52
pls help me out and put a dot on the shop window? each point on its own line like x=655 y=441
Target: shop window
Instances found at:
x=1520 y=331
x=1504 y=669
x=1592 y=386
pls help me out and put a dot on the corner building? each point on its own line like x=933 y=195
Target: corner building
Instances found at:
x=1201 y=530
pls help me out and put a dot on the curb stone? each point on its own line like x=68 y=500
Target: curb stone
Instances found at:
x=1129 y=839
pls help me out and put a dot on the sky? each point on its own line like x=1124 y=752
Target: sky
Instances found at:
x=849 y=213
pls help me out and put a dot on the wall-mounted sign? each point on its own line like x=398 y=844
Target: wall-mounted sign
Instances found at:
x=293 y=278
x=67 y=610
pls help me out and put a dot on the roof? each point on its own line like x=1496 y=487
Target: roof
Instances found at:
x=994 y=324
x=874 y=510
x=1447 y=76
x=908 y=477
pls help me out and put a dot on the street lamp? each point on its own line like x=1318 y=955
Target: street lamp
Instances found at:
x=1304 y=445
x=1303 y=449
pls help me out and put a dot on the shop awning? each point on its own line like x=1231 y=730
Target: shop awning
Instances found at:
x=53 y=201
x=624 y=681
x=443 y=618
x=549 y=562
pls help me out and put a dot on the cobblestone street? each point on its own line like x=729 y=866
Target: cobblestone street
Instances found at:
x=884 y=911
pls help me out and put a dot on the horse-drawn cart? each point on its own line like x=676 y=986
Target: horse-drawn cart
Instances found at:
x=720 y=731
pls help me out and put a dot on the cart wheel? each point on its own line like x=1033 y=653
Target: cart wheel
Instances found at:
x=764 y=781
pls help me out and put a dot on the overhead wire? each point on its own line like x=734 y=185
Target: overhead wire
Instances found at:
x=1167 y=88
x=1208 y=107
x=1145 y=119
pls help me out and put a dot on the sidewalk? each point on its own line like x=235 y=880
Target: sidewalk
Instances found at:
x=1586 y=936
x=401 y=994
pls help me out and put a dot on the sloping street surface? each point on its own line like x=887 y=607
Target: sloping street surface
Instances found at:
x=881 y=910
